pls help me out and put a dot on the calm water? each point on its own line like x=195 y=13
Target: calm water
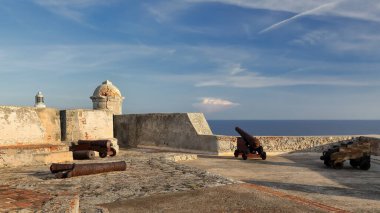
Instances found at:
x=296 y=127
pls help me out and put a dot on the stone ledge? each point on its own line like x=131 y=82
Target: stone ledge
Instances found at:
x=24 y=155
x=37 y=147
x=181 y=157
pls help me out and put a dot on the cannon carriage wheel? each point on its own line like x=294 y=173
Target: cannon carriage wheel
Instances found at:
x=113 y=152
x=355 y=163
x=244 y=156
x=236 y=153
x=365 y=163
x=102 y=154
x=263 y=155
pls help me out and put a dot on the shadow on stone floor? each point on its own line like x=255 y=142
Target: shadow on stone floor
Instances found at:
x=352 y=190
x=43 y=175
x=351 y=182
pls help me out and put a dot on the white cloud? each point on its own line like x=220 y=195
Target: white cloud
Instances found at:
x=304 y=13
x=223 y=66
x=255 y=80
x=72 y=9
x=72 y=3
x=295 y=6
x=165 y=10
x=363 y=42
x=209 y=104
x=75 y=58
x=236 y=69
x=314 y=38
x=364 y=9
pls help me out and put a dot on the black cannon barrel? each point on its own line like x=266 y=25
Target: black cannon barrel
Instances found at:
x=83 y=154
x=248 y=138
x=59 y=167
x=101 y=143
x=90 y=168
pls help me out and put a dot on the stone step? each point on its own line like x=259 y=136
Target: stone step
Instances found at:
x=36 y=148
x=53 y=157
x=24 y=155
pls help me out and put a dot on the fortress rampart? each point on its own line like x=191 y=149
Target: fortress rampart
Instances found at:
x=85 y=124
x=32 y=135
x=191 y=132
x=29 y=125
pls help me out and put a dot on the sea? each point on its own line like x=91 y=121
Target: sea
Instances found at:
x=296 y=127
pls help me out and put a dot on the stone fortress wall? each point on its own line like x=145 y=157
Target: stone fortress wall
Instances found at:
x=85 y=124
x=30 y=135
x=191 y=132
x=41 y=135
x=29 y=125
x=179 y=131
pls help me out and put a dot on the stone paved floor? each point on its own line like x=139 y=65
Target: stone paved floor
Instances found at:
x=289 y=183
x=304 y=176
x=148 y=172
x=17 y=199
x=229 y=198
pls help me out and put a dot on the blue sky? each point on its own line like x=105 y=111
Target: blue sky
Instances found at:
x=232 y=59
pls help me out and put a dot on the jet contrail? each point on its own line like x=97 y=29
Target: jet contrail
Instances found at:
x=276 y=25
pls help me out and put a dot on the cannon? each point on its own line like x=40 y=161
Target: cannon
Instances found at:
x=248 y=146
x=104 y=147
x=359 y=155
x=72 y=170
x=83 y=154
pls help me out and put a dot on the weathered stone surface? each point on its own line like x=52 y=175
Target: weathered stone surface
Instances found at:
x=108 y=97
x=304 y=144
x=28 y=125
x=81 y=124
x=191 y=132
x=180 y=157
x=12 y=156
x=375 y=143
x=30 y=136
x=199 y=123
x=227 y=144
x=181 y=131
x=148 y=172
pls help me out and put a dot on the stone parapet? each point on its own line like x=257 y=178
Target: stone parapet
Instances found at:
x=82 y=124
x=190 y=132
x=28 y=126
x=374 y=141
x=175 y=130
x=22 y=155
x=302 y=143
x=281 y=144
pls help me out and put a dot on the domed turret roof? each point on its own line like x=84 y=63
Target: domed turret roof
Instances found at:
x=107 y=89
